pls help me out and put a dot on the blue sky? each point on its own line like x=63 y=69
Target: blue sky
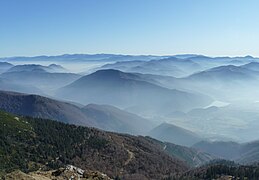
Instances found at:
x=162 y=27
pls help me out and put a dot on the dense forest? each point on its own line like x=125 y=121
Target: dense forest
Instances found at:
x=30 y=144
x=27 y=143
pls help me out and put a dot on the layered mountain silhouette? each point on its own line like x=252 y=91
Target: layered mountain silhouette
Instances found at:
x=46 y=78
x=223 y=83
x=127 y=90
x=52 y=68
x=245 y=153
x=224 y=150
x=4 y=66
x=170 y=66
x=223 y=123
x=215 y=96
x=223 y=73
x=254 y=66
x=81 y=58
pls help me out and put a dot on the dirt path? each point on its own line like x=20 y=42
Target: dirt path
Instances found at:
x=131 y=156
x=165 y=147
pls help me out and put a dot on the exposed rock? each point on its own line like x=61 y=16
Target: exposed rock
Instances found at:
x=19 y=175
x=70 y=172
x=95 y=175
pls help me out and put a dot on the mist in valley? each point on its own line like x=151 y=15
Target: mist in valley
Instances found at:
x=200 y=109
x=216 y=98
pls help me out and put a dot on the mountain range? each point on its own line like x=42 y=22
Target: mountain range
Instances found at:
x=174 y=134
x=245 y=153
x=168 y=66
x=229 y=72
x=129 y=91
x=4 y=66
x=130 y=117
x=52 y=68
x=81 y=58
x=46 y=78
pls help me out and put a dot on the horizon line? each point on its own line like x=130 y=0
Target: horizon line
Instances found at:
x=121 y=54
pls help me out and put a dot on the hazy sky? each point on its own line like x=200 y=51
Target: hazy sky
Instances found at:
x=210 y=27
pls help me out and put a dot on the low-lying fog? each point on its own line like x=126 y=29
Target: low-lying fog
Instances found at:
x=217 y=98
x=79 y=67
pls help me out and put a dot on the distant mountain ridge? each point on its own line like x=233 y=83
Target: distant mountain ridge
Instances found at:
x=174 y=134
x=83 y=57
x=52 y=68
x=100 y=116
x=46 y=78
x=4 y=66
x=230 y=72
x=103 y=56
x=252 y=66
x=170 y=66
x=246 y=153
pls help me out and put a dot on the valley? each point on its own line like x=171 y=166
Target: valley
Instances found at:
x=140 y=116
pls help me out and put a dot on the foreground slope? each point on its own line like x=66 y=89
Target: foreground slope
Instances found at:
x=29 y=144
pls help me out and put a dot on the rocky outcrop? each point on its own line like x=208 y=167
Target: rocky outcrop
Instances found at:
x=69 y=172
